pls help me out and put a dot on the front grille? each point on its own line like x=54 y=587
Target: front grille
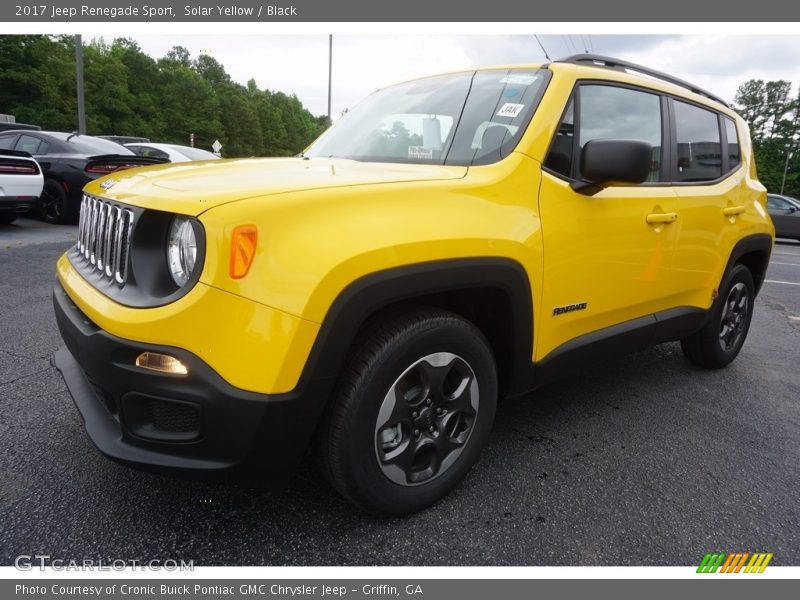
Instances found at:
x=104 y=237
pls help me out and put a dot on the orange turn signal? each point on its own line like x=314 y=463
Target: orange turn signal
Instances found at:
x=243 y=250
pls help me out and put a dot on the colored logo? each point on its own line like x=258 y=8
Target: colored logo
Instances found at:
x=736 y=562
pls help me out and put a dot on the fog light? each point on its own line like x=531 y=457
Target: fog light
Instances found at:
x=161 y=362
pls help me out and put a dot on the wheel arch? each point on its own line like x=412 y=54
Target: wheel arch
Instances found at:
x=754 y=252
x=493 y=293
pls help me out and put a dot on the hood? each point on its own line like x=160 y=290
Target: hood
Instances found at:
x=194 y=187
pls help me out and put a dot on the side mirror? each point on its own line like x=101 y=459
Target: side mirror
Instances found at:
x=613 y=161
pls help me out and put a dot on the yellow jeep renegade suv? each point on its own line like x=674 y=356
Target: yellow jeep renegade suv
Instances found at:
x=453 y=240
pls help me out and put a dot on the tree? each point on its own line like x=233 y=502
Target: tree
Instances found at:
x=774 y=120
x=166 y=100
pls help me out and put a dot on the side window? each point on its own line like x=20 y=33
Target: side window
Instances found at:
x=607 y=112
x=776 y=203
x=734 y=155
x=31 y=145
x=7 y=141
x=699 y=157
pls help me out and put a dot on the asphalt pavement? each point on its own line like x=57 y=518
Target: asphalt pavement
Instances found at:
x=644 y=460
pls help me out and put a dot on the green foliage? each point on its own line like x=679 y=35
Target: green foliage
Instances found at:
x=774 y=119
x=130 y=93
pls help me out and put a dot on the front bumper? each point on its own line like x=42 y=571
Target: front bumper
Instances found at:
x=196 y=421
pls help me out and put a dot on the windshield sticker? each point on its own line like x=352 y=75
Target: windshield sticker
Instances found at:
x=510 y=110
x=420 y=152
x=519 y=79
x=511 y=92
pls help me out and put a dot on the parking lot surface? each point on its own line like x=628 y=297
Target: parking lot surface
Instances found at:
x=645 y=460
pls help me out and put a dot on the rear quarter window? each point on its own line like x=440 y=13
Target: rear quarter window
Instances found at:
x=699 y=155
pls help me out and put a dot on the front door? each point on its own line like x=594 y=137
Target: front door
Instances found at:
x=607 y=256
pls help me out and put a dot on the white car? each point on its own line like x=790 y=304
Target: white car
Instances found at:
x=21 y=184
x=171 y=152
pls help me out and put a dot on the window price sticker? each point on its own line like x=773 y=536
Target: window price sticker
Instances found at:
x=518 y=79
x=510 y=110
x=420 y=152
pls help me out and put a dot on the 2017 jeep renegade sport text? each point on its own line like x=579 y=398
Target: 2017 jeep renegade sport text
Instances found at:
x=453 y=240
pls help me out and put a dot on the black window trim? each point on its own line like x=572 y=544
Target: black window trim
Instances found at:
x=668 y=170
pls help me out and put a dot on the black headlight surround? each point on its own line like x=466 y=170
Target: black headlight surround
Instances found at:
x=149 y=281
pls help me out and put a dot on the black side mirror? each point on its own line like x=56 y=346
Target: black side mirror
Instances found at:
x=613 y=161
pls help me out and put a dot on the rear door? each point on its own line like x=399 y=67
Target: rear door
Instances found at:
x=713 y=201
x=604 y=263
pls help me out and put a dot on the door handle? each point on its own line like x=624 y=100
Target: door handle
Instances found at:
x=656 y=218
x=732 y=211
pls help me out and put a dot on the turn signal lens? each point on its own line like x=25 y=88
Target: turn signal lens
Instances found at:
x=161 y=362
x=243 y=250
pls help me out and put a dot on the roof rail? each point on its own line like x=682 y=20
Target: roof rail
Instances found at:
x=622 y=65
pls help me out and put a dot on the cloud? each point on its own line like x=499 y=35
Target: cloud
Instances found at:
x=362 y=63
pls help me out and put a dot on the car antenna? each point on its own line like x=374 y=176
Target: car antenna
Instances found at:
x=72 y=135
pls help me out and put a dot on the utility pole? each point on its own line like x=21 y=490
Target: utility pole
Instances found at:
x=79 y=72
x=786 y=165
x=330 y=73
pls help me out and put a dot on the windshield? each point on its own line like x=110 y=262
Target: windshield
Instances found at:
x=458 y=119
x=84 y=144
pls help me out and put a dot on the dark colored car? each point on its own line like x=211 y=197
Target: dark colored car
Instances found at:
x=69 y=161
x=785 y=213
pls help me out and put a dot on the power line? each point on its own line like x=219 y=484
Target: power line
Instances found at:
x=568 y=44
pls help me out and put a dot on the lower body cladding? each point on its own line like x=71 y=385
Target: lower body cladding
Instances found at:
x=195 y=421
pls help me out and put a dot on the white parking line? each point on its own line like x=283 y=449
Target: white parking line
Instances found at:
x=782 y=282
x=772 y=262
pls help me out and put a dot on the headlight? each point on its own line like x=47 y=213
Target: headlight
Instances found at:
x=181 y=250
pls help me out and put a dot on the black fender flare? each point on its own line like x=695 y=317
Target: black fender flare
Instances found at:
x=759 y=242
x=376 y=291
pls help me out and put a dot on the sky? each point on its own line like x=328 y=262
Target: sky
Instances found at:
x=363 y=63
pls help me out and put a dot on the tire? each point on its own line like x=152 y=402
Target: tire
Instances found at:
x=721 y=338
x=397 y=453
x=54 y=205
x=7 y=217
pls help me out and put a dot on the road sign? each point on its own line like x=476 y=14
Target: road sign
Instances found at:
x=216 y=146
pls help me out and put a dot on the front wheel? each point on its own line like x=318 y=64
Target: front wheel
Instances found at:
x=723 y=336
x=411 y=413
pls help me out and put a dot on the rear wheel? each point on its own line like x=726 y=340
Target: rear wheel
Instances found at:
x=7 y=217
x=411 y=413
x=54 y=205
x=721 y=339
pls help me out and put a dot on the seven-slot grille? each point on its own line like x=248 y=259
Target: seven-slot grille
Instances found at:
x=104 y=237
